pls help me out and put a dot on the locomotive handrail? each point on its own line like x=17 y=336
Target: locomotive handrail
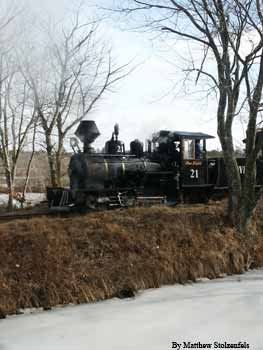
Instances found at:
x=120 y=155
x=197 y=186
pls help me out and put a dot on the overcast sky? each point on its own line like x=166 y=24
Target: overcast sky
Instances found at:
x=136 y=103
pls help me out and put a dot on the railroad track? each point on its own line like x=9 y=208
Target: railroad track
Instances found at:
x=30 y=214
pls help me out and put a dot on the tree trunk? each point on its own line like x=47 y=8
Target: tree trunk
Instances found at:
x=249 y=201
x=23 y=199
x=10 y=205
x=234 y=186
x=233 y=176
x=51 y=160
x=59 y=155
x=10 y=186
x=242 y=197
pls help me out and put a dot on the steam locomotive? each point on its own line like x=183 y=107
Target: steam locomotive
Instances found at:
x=173 y=168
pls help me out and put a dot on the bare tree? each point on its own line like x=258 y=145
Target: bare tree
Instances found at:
x=78 y=71
x=29 y=164
x=17 y=117
x=230 y=33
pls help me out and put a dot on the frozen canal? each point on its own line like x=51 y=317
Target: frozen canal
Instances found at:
x=211 y=312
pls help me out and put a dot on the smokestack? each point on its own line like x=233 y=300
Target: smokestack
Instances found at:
x=87 y=132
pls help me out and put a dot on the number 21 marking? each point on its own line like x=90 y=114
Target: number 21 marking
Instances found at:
x=194 y=174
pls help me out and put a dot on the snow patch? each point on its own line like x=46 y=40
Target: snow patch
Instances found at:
x=32 y=199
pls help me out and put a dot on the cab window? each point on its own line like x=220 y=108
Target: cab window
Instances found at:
x=189 y=149
x=194 y=149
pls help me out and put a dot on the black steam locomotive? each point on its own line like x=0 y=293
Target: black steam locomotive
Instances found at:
x=173 y=168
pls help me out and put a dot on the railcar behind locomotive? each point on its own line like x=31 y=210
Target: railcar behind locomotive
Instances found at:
x=173 y=168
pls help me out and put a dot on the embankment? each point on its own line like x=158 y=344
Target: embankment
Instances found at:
x=46 y=261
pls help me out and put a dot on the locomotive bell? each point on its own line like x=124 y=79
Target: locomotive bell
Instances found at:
x=87 y=132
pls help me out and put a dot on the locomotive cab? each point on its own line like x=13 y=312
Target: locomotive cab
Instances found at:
x=194 y=163
x=184 y=155
x=194 y=181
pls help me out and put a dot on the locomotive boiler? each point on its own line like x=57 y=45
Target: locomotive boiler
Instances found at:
x=111 y=178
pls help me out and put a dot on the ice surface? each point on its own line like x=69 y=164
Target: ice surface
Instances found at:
x=229 y=309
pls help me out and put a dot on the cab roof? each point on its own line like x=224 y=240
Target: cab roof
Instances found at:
x=166 y=135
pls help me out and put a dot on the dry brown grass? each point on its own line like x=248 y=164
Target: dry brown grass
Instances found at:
x=45 y=261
